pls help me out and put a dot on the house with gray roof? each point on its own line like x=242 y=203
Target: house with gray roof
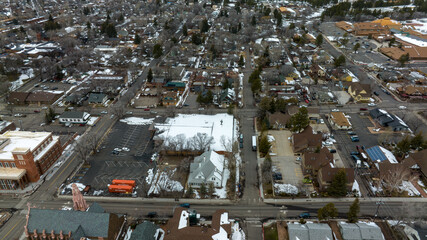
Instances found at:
x=97 y=98
x=386 y=119
x=147 y=231
x=206 y=169
x=360 y=231
x=74 y=117
x=309 y=231
x=71 y=224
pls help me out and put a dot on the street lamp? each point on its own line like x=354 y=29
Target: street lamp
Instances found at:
x=20 y=124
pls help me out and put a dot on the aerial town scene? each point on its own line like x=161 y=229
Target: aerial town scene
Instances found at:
x=213 y=120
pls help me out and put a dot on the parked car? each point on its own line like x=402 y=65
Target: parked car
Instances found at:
x=376 y=94
x=152 y=214
x=351 y=133
x=304 y=215
x=104 y=112
x=36 y=111
x=146 y=109
x=20 y=115
x=363 y=109
x=402 y=107
x=354 y=153
x=184 y=205
x=332 y=150
x=371 y=104
x=354 y=138
x=335 y=110
x=355 y=158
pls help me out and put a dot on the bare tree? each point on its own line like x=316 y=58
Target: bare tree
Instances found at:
x=118 y=110
x=393 y=177
x=201 y=142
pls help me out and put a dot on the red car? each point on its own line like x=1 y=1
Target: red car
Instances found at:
x=363 y=109
x=36 y=111
x=146 y=109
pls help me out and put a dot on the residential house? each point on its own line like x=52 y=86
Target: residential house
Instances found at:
x=226 y=97
x=306 y=141
x=312 y=161
x=309 y=231
x=175 y=86
x=327 y=173
x=25 y=156
x=346 y=26
x=420 y=159
x=18 y=98
x=386 y=119
x=74 y=117
x=42 y=98
x=412 y=91
x=97 y=98
x=278 y=120
x=94 y=223
x=380 y=154
x=206 y=169
x=147 y=231
x=359 y=92
x=170 y=98
x=360 y=231
x=338 y=120
x=318 y=71
x=179 y=228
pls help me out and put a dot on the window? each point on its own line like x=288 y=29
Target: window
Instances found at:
x=13 y=165
x=3 y=184
x=6 y=164
x=1 y=164
x=20 y=157
x=22 y=162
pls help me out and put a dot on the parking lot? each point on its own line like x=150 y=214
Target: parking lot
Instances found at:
x=284 y=160
x=125 y=154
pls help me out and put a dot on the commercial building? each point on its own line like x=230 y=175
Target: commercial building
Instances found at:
x=25 y=156
x=338 y=120
x=70 y=117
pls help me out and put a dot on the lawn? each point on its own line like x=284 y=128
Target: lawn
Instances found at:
x=270 y=232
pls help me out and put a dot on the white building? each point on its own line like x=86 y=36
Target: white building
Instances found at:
x=206 y=169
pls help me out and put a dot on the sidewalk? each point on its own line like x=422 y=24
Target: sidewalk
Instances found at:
x=328 y=200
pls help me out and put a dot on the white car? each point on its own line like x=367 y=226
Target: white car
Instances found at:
x=376 y=129
x=402 y=107
x=125 y=149
x=118 y=149
x=104 y=112
x=371 y=104
x=335 y=110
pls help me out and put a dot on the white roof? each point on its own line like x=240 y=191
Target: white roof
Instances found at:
x=21 y=141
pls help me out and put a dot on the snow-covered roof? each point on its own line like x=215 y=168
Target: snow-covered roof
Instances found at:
x=219 y=126
x=21 y=141
x=183 y=220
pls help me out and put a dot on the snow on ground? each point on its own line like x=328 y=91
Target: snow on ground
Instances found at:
x=415 y=41
x=80 y=186
x=236 y=232
x=66 y=208
x=150 y=176
x=271 y=138
x=137 y=121
x=92 y=121
x=422 y=185
x=196 y=194
x=285 y=188
x=20 y=81
x=356 y=188
x=97 y=193
x=216 y=126
x=409 y=187
x=222 y=192
x=163 y=182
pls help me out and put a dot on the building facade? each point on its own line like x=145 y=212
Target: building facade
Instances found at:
x=25 y=156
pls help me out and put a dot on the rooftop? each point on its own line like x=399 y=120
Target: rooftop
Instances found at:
x=21 y=141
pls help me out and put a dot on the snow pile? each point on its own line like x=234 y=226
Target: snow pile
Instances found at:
x=183 y=220
x=222 y=192
x=92 y=120
x=20 y=81
x=356 y=188
x=97 y=193
x=237 y=233
x=409 y=187
x=150 y=176
x=137 y=121
x=271 y=138
x=164 y=183
x=285 y=188
x=66 y=208
x=80 y=186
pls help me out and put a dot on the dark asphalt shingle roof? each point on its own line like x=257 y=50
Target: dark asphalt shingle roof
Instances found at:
x=96 y=208
x=72 y=114
x=92 y=224
x=144 y=231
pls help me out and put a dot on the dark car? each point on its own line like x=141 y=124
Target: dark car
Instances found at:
x=241 y=145
x=354 y=153
x=152 y=214
x=351 y=133
x=146 y=109
x=363 y=109
x=376 y=94
x=332 y=150
x=277 y=176
x=304 y=215
x=355 y=158
x=36 y=111
x=184 y=205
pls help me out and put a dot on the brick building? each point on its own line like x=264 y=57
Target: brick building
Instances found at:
x=25 y=156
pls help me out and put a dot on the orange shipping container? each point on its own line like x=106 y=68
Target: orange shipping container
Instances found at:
x=120 y=189
x=124 y=182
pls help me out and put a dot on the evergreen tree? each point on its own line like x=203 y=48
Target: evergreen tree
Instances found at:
x=150 y=75
x=205 y=26
x=403 y=147
x=196 y=39
x=327 y=212
x=51 y=25
x=353 y=213
x=203 y=190
x=403 y=59
x=190 y=192
x=157 y=51
x=241 y=61
x=299 y=121
x=253 y=21
x=211 y=190
x=184 y=30
x=264 y=146
x=339 y=61
x=356 y=47
x=88 y=25
x=319 y=40
x=338 y=187
x=137 y=39
x=417 y=141
x=256 y=85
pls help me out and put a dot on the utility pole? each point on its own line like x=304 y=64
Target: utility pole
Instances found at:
x=379 y=203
